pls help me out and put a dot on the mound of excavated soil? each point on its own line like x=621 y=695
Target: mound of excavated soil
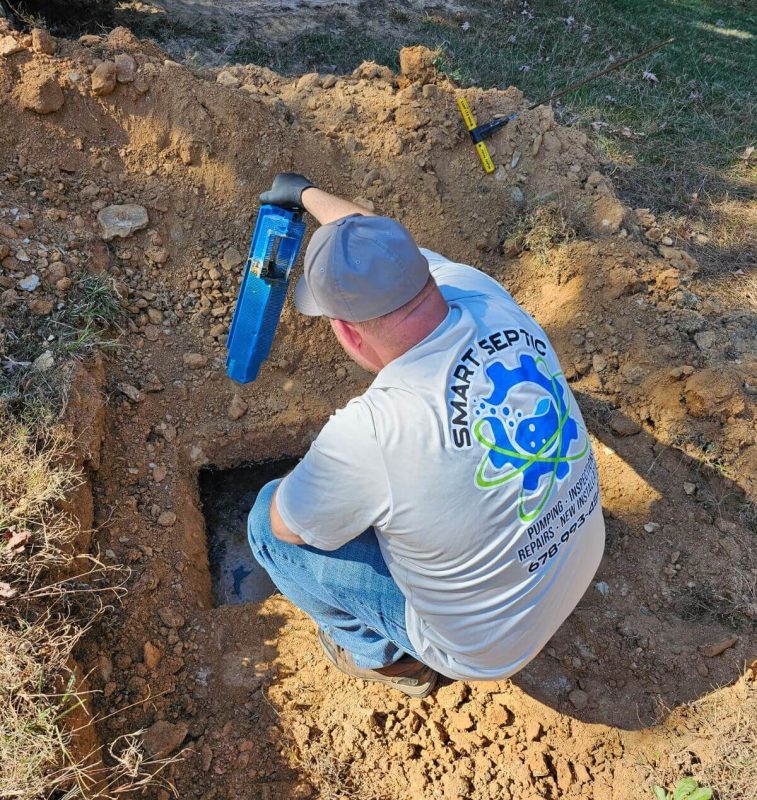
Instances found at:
x=653 y=356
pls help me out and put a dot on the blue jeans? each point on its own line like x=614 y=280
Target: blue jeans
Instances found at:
x=348 y=592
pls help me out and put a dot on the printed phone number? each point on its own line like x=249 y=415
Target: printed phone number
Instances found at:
x=554 y=548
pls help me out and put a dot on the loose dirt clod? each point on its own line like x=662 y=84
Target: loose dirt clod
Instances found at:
x=162 y=738
x=42 y=42
x=126 y=68
x=41 y=92
x=104 y=79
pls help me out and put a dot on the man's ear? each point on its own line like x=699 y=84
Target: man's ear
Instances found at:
x=349 y=336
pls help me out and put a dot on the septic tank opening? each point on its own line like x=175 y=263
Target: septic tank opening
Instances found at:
x=227 y=497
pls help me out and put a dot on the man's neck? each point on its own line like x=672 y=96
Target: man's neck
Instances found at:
x=419 y=323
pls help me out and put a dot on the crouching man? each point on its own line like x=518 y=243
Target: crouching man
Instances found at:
x=448 y=520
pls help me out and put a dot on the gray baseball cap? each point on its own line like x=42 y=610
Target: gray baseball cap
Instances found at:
x=359 y=268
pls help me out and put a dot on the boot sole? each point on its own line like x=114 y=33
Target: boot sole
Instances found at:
x=422 y=690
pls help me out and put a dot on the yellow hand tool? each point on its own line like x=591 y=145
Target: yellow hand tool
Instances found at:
x=470 y=124
x=480 y=132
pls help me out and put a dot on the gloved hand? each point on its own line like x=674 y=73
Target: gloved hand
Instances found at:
x=286 y=191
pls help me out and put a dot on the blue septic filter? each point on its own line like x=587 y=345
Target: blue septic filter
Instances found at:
x=274 y=248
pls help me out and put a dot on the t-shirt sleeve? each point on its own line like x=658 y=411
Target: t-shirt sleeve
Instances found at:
x=451 y=276
x=340 y=488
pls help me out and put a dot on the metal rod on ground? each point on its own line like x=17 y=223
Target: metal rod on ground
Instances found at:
x=616 y=65
x=479 y=133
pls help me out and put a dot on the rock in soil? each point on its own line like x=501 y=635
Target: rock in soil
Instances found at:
x=231 y=258
x=718 y=648
x=162 y=738
x=41 y=93
x=167 y=519
x=121 y=221
x=9 y=46
x=126 y=68
x=42 y=42
x=578 y=699
x=622 y=425
x=194 y=360
x=104 y=79
x=171 y=617
x=237 y=408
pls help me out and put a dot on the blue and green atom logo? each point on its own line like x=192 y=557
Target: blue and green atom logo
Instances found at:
x=528 y=433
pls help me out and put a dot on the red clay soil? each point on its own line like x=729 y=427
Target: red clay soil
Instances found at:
x=663 y=370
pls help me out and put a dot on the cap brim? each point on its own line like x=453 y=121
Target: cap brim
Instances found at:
x=304 y=300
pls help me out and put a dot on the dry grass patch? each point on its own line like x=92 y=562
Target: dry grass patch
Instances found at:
x=543 y=229
x=34 y=534
x=45 y=605
x=41 y=621
x=36 y=636
x=719 y=742
x=32 y=739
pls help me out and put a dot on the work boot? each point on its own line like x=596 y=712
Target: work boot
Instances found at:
x=409 y=675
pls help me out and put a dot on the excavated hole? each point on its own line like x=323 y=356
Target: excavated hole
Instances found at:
x=227 y=496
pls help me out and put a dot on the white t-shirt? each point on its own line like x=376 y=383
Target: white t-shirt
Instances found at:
x=469 y=457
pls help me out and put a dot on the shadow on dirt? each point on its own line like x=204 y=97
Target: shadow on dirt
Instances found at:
x=636 y=645
x=68 y=17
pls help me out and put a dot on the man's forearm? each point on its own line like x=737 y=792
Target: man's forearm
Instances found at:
x=279 y=527
x=327 y=207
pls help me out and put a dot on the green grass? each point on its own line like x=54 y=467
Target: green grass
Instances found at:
x=673 y=145
x=88 y=321
x=685 y=789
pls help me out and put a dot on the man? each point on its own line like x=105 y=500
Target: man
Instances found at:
x=448 y=520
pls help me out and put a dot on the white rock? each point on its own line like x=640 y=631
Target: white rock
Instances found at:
x=231 y=258
x=9 y=46
x=602 y=587
x=225 y=78
x=44 y=361
x=651 y=527
x=130 y=391
x=122 y=220
x=29 y=284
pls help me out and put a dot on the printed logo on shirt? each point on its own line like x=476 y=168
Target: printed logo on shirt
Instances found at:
x=521 y=419
x=527 y=432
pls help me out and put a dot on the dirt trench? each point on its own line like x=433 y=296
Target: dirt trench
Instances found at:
x=655 y=360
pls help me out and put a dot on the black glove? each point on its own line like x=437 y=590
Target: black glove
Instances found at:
x=286 y=191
